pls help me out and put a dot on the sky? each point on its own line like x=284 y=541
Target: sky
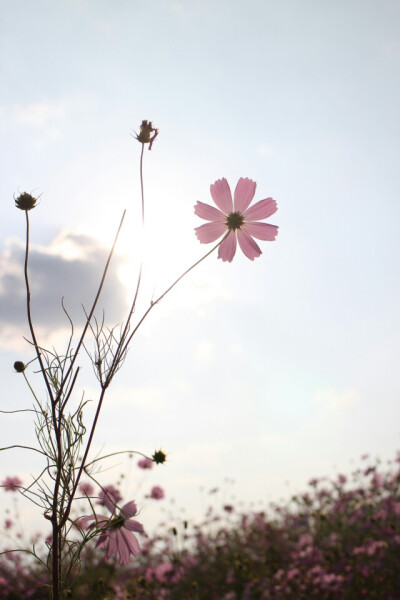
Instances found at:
x=263 y=373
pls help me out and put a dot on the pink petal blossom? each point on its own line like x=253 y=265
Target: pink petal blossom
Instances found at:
x=117 y=535
x=11 y=484
x=86 y=488
x=236 y=220
x=109 y=496
x=157 y=493
x=145 y=463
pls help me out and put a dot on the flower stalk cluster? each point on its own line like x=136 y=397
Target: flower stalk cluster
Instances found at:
x=64 y=440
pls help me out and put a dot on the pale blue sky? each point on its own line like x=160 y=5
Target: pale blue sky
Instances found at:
x=266 y=372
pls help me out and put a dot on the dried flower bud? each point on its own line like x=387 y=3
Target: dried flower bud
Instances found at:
x=159 y=457
x=19 y=366
x=25 y=201
x=147 y=133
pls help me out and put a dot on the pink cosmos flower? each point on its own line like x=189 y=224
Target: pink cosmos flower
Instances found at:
x=86 y=488
x=236 y=219
x=145 y=463
x=117 y=536
x=109 y=493
x=157 y=493
x=11 y=484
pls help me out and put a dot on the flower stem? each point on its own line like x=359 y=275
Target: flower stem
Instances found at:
x=153 y=303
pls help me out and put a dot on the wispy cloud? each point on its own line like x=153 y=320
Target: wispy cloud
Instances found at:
x=70 y=268
x=204 y=454
x=39 y=114
x=336 y=401
x=205 y=351
x=149 y=398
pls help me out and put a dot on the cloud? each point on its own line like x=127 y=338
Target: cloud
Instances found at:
x=150 y=398
x=70 y=268
x=335 y=401
x=204 y=454
x=205 y=352
x=46 y=119
x=265 y=150
x=39 y=114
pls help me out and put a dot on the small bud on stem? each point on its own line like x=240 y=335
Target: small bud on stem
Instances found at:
x=19 y=366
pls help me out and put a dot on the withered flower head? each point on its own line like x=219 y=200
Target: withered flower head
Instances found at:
x=147 y=134
x=19 y=366
x=159 y=457
x=25 y=201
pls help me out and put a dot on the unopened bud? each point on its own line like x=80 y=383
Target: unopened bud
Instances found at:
x=25 y=201
x=19 y=366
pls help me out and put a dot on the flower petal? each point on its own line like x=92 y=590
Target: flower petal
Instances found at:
x=244 y=193
x=227 y=249
x=261 y=210
x=134 y=525
x=112 y=547
x=262 y=231
x=102 y=540
x=209 y=232
x=131 y=542
x=109 y=502
x=221 y=194
x=248 y=245
x=129 y=509
x=123 y=548
x=209 y=213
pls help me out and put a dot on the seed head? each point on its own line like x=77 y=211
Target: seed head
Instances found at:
x=25 y=201
x=19 y=366
x=159 y=457
x=147 y=134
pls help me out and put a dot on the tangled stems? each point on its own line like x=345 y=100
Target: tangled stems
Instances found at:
x=55 y=392
x=61 y=437
x=112 y=371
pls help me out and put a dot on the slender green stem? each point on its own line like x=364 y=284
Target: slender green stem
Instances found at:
x=90 y=315
x=28 y=310
x=125 y=332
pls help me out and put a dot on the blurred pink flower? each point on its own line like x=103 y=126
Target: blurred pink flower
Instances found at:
x=157 y=493
x=86 y=488
x=8 y=524
x=236 y=219
x=145 y=463
x=11 y=484
x=109 y=493
x=165 y=572
x=117 y=535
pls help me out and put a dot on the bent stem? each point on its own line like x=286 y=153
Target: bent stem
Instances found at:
x=55 y=395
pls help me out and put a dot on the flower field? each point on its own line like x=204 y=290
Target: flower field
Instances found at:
x=340 y=539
